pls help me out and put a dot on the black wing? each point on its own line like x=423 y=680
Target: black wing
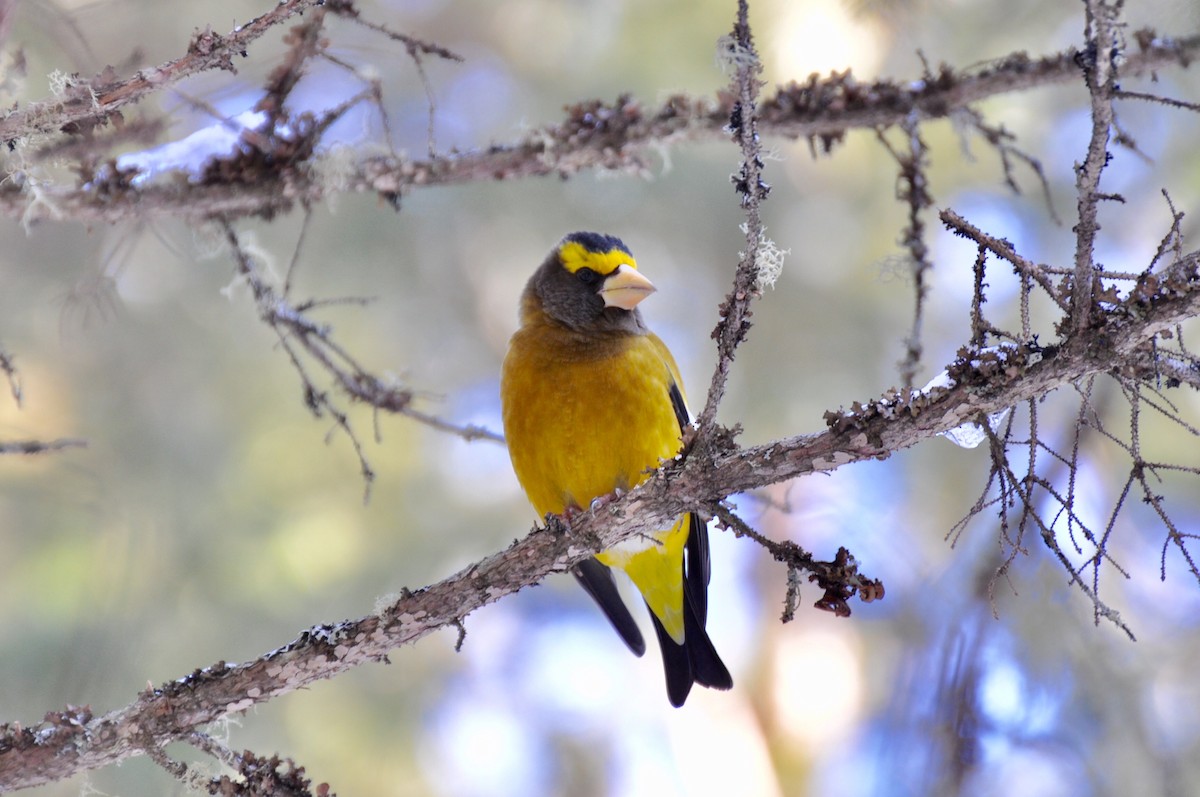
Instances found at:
x=698 y=570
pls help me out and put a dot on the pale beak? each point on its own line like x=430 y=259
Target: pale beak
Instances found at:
x=625 y=287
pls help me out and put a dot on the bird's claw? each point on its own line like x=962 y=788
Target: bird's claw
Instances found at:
x=573 y=511
x=601 y=501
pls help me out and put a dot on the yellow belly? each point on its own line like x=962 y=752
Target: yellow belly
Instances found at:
x=585 y=418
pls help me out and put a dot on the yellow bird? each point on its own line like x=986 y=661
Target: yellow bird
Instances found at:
x=593 y=402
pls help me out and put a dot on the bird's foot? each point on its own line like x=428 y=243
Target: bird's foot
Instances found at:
x=571 y=512
x=601 y=501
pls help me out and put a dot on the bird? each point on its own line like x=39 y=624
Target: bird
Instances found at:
x=592 y=402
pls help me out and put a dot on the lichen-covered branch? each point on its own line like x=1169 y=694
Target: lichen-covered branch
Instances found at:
x=734 y=313
x=1133 y=337
x=594 y=135
x=1100 y=74
x=86 y=104
x=74 y=740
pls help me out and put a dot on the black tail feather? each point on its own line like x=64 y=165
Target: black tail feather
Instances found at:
x=707 y=667
x=698 y=570
x=695 y=661
x=677 y=664
x=597 y=579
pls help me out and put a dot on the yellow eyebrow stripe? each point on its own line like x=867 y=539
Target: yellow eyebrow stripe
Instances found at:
x=575 y=256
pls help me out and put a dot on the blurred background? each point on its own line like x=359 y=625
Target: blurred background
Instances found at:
x=211 y=517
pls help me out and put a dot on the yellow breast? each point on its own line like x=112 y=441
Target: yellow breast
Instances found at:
x=584 y=416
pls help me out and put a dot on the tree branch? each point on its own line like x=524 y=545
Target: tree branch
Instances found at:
x=594 y=135
x=1100 y=74
x=1122 y=335
x=87 y=104
x=74 y=740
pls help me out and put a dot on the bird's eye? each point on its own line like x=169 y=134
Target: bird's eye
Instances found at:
x=588 y=277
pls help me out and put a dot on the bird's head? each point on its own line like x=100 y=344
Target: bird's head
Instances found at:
x=590 y=282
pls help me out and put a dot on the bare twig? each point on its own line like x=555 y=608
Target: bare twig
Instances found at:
x=298 y=332
x=416 y=49
x=9 y=369
x=1100 y=74
x=734 y=312
x=1022 y=491
x=1001 y=140
x=415 y=46
x=1004 y=250
x=980 y=329
x=40 y=446
x=912 y=188
x=1170 y=102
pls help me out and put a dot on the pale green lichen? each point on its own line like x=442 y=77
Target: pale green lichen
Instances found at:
x=769 y=259
x=732 y=56
x=61 y=82
x=385 y=602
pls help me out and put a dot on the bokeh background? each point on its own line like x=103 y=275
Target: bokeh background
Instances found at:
x=211 y=517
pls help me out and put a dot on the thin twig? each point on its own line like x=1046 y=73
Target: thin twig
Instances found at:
x=9 y=368
x=40 y=446
x=1100 y=75
x=316 y=340
x=1004 y=250
x=1170 y=102
x=734 y=312
x=913 y=189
